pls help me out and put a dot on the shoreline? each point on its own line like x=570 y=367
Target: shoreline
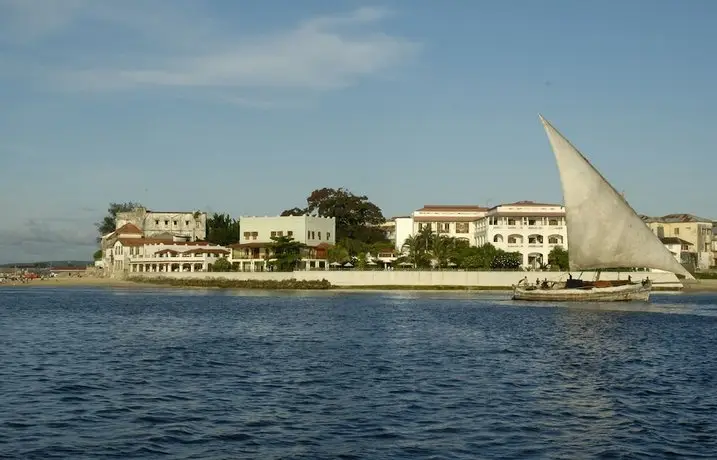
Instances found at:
x=701 y=286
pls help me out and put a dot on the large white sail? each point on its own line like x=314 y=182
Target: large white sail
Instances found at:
x=603 y=230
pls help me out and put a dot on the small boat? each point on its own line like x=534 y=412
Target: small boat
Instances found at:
x=604 y=232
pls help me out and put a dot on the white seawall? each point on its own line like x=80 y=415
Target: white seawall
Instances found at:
x=354 y=278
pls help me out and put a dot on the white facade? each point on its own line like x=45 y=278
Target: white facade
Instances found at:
x=134 y=255
x=309 y=230
x=404 y=229
x=253 y=252
x=191 y=225
x=533 y=229
x=456 y=221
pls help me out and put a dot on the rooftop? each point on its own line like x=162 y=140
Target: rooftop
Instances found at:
x=528 y=203
x=453 y=207
x=676 y=218
x=674 y=240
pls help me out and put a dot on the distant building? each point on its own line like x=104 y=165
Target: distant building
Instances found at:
x=457 y=221
x=533 y=229
x=191 y=225
x=129 y=251
x=684 y=251
x=688 y=227
x=253 y=252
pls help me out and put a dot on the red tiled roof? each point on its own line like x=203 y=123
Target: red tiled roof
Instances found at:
x=167 y=251
x=452 y=207
x=527 y=203
x=206 y=251
x=166 y=241
x=446 y=219
x=128 y=229
x=263 y=245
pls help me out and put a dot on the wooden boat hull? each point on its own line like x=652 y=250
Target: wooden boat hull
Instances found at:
x=624 y=293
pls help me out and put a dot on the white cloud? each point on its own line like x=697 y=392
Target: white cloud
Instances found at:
x=320 y=53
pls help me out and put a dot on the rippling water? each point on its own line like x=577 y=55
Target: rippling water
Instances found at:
x=93 y=373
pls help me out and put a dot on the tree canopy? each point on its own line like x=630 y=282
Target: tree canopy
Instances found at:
x=286 y=253
x=108 y=224
x=222 y=229
x=357 y=218
x=558 y=259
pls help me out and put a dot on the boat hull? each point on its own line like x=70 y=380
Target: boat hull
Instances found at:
x=629 y=292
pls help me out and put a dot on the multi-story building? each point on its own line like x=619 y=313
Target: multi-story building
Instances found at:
x=457 y=221
x=153 y=224
x=131 y=252
x=533 y=229
x=693 y=229
x=682 y=250
x=253 y=251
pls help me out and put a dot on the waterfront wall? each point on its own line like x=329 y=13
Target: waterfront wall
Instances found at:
x=355 y=278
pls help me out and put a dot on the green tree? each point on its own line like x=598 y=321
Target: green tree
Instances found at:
x=294 y=212
x=222 y=229
x=338 y=254
x=417 y=255
x=222 y=265
x=357 y=218
x=443 y=250
x=108 y=224
x=507 y=260
x=558 y=259
x=286 y=253
x=476 y=258
x=97 y=255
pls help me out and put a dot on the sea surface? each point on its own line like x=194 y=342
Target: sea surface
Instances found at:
x=152 y=373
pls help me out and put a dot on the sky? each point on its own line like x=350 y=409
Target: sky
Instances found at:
x=245 y=107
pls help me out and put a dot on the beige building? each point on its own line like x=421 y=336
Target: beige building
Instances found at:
x=457 y=221
x=533 y=229
x=253 y=252
x=693 y=229
x=130 y=252
x=187 y=224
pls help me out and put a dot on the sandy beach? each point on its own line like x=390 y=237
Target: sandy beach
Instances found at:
x=67 y=281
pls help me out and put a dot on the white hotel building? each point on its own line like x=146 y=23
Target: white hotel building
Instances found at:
x=533 y=229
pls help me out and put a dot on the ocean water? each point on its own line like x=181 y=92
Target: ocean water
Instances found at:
x=153 y=373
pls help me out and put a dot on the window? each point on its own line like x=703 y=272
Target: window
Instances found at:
x=174 y=222
x=166 y=222
x=493 y=221
x=328 y=235
x=247 y=235
x=498 y=239
x=254 y=235
x=444 y=227
x=186 y=223
x=290 y=233
x=308 y=234
x=313 y=235
x=535 y=239
x=677 y=231
x=532 y=221
x=554 y=240
x=280 y=233
x=461 y=227
x=273 y=234
x=511 y=221
x=156 y=221
x=553 y=222
x=319 y=235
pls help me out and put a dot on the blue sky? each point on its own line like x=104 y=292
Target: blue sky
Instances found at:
x=245 y=107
